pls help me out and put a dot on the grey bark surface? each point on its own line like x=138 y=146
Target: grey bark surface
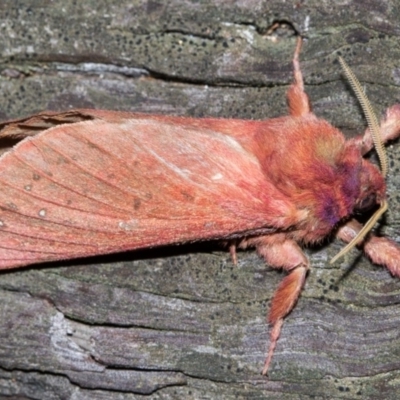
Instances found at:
x=184 y=322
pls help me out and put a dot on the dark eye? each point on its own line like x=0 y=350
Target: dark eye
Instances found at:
x=367 y=203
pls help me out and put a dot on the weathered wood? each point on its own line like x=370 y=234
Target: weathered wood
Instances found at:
x=185 y=322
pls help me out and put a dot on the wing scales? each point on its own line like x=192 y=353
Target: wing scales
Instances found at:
x=97 y=187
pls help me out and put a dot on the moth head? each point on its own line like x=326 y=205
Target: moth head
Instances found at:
x=372 y=188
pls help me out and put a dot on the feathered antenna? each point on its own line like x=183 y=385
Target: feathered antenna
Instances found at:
x=374 y=129
x=370 y=116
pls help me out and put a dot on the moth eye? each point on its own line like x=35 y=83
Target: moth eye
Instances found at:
x=367 y=203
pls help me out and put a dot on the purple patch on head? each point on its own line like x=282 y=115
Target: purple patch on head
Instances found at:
x=350 y=177
x=329 y=211
x=333 y=208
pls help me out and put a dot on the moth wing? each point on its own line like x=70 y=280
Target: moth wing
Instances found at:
x=98 y=187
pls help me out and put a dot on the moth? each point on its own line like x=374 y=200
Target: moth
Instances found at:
x=90 y=182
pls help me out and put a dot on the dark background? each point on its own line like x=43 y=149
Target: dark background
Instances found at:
x=184 y=322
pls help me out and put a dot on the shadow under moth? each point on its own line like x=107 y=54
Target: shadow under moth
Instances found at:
x=90 y=182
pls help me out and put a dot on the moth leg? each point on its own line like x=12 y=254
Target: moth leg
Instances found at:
x=232 y=251
x=281 y=252
x=380 y=250
x=299 y=103
x=389 y=129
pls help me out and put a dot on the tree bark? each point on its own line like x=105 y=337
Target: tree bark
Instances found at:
x=184 y=322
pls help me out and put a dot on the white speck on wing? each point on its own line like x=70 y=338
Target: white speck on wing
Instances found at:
x=217 y=177
x=128 y=225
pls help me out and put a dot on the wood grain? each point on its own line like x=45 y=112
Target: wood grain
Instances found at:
x=185 y=322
